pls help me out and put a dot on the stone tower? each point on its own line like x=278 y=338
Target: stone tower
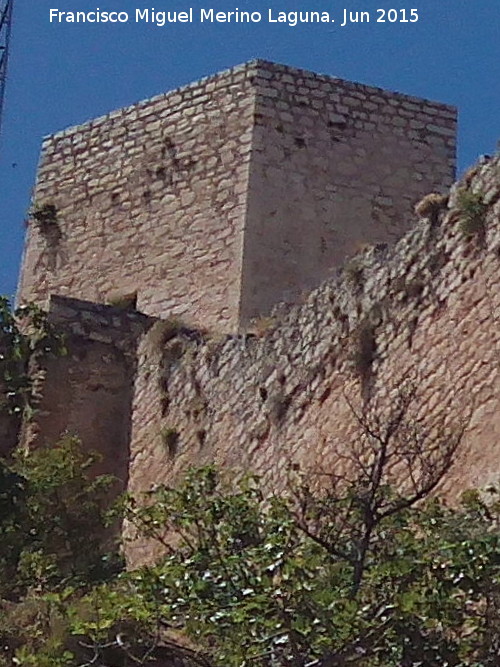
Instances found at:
x=220 y=199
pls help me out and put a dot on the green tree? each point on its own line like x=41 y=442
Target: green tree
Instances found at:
x=245 y=584
x=25 y=337
x=54 y=537
x=248 y=585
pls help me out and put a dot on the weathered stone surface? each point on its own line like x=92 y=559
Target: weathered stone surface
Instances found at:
x=280 y=396
x=88 y=391
x=241 y=164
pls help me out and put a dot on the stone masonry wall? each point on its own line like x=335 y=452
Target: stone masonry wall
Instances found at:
x=150 y=199
x=334 y=165
x=88 y=391
x=224 y=197
x=430 y=310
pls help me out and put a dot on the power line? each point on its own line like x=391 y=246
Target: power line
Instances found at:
x=6 y=7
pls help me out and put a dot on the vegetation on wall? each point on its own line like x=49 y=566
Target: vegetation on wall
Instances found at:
x=124 y=301
x=170 y=440
x=44 y=217
x=25 y=337
x=431 y=206
x=472 y=210
x=363 y=349
x=354 y=271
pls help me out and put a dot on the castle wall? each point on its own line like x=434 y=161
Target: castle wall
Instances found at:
x=149 y=199
x=335 y=165
x=430 y=310
x=220 y=199
x=88 y=391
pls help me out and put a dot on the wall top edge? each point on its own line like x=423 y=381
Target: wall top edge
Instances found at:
x=69 y=309
x=271 y=66
x=246 y=69
x=258 y=68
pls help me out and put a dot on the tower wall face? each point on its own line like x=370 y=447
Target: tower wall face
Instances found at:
x=150 y=199
x=218 y=200
x=335 y=165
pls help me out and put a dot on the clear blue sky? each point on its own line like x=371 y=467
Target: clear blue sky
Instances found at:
x=62 y=75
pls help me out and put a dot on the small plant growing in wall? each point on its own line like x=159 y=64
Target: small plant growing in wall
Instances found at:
x=472 y=210
x=45 y=218
x=262 y=325
x=170 y=440
x=278 y=405
x=354 y=272
x=162 y=332
x=431 y=206
x=201 y=436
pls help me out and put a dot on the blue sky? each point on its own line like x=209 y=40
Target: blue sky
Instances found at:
x=63 y=75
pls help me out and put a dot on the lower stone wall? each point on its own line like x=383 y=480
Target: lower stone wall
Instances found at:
x=423 y=315
x=87 y=392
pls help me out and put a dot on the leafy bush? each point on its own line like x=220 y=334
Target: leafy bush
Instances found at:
x=472 y=213
x=25 y=337
x=53 y=524
x=256 y=580
x=268 y=581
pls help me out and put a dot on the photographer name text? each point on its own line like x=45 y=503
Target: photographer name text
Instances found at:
x=341 y=17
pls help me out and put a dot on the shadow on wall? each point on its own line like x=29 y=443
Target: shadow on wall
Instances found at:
x=88 y=393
